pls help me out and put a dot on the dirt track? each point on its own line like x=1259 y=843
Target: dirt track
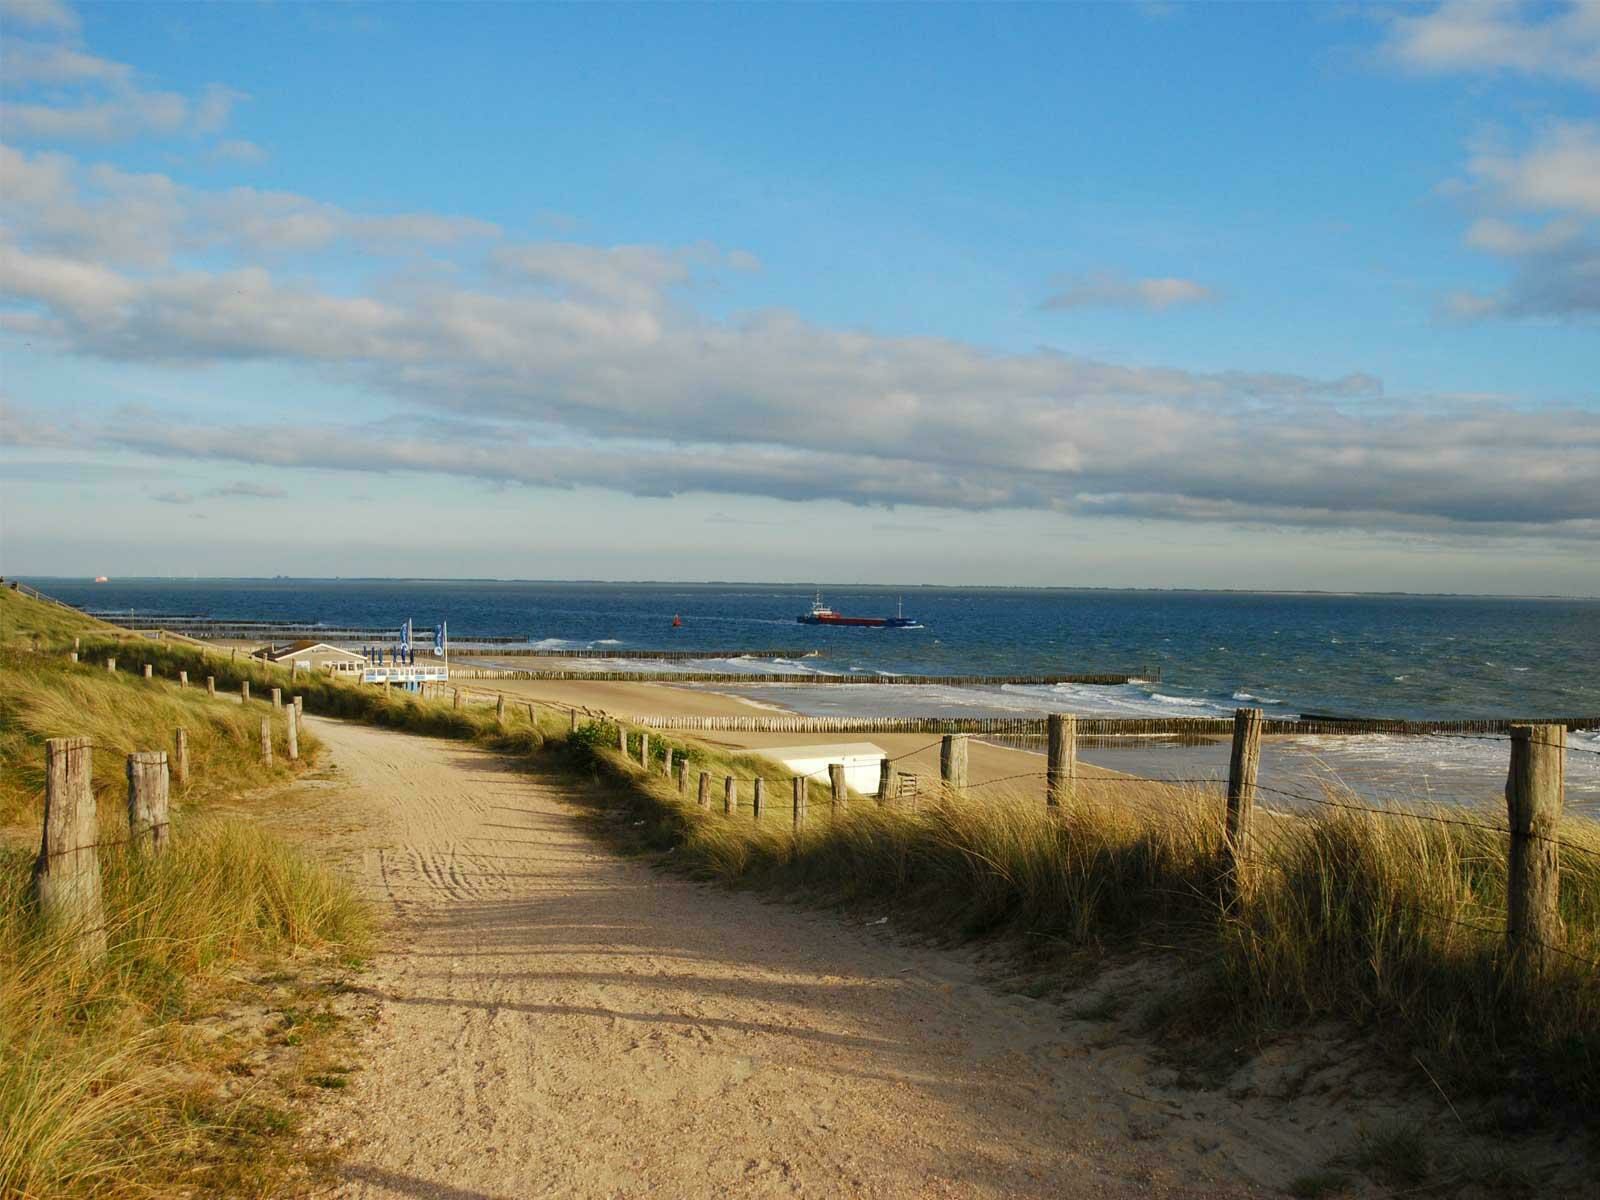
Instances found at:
x=557 y=1021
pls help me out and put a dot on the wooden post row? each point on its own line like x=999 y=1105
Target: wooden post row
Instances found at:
x=66 y=877
x=1243 y=764
x=1535 y=794
x=147 y=799
x=1061 y=764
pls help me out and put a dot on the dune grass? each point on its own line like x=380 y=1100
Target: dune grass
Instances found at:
x=1391 y=925
x=109 y=1083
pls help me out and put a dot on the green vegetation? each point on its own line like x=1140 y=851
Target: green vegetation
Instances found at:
x=131 y=1074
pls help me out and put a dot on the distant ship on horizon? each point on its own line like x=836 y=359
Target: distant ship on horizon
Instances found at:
x=821 y=614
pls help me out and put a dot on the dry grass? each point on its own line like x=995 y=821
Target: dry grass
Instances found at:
x=107 y=1085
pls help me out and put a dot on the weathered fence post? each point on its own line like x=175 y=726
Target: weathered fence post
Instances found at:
x=758 y=796
x=533 y=715
x=244 y=690
x=147 y=798
x=277 y=698
x=885 y=779
x=799 y=801
x=77 y=644
x=72 y=656
x=683 y=777
x=622 y=739
x=66 y=877
x=1535 y=787
x=1243 y=764
x=644 y=749
x=500 y=710
x=111 y=665
x=292 y=734
x=299 y=707
x=149 y=671
x=180 y=756
x=953 y=761
x=705 y=789
x=1061 y=766
x=455 y=697
x=836 y=784
x=183 y=679
x=730 y=795
x=572 y=720
x=211 y=686
x=266 y=740
x=666 y=762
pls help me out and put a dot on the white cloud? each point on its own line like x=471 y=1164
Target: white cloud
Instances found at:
x=50 y=15
x=238 y=150
x=1560 y=40
x=1105 y=290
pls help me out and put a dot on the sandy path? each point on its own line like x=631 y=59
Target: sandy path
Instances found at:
x=556 y=1021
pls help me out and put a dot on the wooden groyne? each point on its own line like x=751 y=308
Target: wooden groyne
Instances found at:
x=753 y=678
x=1034 y=727
x=468 y=647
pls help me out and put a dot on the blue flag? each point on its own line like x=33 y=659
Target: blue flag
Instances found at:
x=405 y=635
x=438 y=640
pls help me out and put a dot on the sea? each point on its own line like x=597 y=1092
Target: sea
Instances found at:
x=1192 y=653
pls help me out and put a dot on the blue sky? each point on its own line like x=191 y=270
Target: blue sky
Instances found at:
x=1148 y=295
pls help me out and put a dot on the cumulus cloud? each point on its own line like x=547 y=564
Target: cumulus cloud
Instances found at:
x=1543 y=220
x=61 y=92
x=1560 y=40
x=561 y=364
x=1105 y=290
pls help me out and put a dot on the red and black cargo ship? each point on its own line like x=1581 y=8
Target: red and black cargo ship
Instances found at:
x=821 y=614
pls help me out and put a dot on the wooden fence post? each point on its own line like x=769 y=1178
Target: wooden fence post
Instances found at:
x=953 y=761
x=500 y=710
x=622 y=739
x=180 y=756
x=72 y=656
x=277 y=698
x=111 y=665
x=244 y=690
x=147 y=798
x=455 y=697
x=149 y=671
x=1243 y=764
x=183 y=679
x=758 y=796
x=533 y=716
x=572 y=720
x=683 y=777
x=730 y=795
x=666 y=762
x=885 y=779
x=1061 y=766
x=292 y=734
x=799 y=801
x=705 y=789
x=299 y=707
x=77 y=644
x=1535 y=793
x=66 y=877
x=211 y=686
x=266 y=740
x=836 y=784
x=644 y=749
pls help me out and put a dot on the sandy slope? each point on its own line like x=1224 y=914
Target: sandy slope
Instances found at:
x=556 y=1021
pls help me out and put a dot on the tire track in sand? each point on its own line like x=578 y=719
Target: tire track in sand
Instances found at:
x=555 y=1021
